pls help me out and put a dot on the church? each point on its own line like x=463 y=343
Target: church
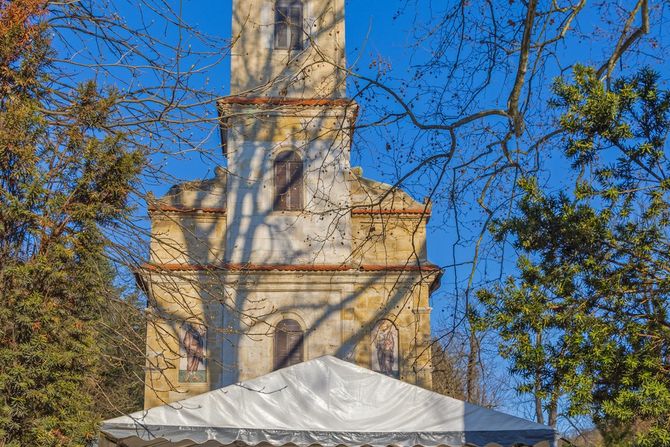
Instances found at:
x=288 y=293
x=288 y=253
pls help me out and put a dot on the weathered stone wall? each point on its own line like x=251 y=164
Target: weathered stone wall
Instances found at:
x=337 y=310
x=258 y=69
x=179 y=298
x=388 y=239
x=214 y=265
x=188 y=238
x=222 y=257
x=321 y=231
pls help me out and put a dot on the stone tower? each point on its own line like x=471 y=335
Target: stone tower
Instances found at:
x=288 y=253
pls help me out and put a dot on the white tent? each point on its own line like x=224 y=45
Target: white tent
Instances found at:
x=329 y=402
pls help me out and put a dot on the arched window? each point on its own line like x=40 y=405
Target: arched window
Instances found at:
x=288 y=344
x=289 y=25
x=288 y=182
x=384 y=348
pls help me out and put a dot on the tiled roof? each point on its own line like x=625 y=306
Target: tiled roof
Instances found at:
x=400 y=268
x=419 y=211
x=243 y=100
x=183 y=209
x=355 y=211
x=290 y=268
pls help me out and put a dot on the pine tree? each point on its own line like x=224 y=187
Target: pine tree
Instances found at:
x=64 y=179
x=587 y=320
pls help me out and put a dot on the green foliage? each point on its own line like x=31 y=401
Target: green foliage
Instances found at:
x=63 y=178
x=585 y=324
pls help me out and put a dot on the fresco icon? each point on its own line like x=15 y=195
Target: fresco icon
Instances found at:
x=193 y=353
x=384 y=348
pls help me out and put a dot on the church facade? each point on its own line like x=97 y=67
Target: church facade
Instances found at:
x=288 y=253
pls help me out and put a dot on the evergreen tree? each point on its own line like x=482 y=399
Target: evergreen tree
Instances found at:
x=586 y=322
x=64 y=178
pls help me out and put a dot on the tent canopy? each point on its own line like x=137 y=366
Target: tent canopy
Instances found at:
x=330 y=402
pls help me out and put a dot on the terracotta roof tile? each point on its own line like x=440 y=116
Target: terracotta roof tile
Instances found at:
x=419 y=211
x=182 y=209
x=355 y=211
x=285 y=101
x=290 y=268
x=400 y=268
x=287 y=267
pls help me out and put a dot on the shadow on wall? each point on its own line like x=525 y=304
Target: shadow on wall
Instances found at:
x=224 y=259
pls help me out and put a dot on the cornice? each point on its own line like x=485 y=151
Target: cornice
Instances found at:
x=289 y=268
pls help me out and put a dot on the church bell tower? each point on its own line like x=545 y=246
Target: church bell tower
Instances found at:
x=287 y=130
x=288 y=49
x=288 y=253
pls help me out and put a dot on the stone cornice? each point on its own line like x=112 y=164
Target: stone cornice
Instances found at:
x=227 y=105
x=289 y=268
x=369 y=211
x=354 y=211
x=278 y=101
x=431 y=270
x=185 y=210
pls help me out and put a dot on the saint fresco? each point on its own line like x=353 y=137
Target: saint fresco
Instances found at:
x=193 y=346
x=384 y=349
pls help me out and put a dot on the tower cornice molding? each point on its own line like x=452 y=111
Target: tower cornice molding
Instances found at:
x=285 y=101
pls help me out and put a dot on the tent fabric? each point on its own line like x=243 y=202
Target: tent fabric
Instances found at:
x=330 y=402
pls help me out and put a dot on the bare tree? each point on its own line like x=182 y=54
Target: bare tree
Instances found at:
x=459 y=126
x=469 y=115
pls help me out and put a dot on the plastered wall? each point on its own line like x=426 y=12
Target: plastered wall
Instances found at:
x=318 y=233
x=336 y=310
x=258 y=69
x=221 y=256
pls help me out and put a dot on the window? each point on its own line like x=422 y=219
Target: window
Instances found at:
x=288 y=182
x=288 y=344
x=288 y=25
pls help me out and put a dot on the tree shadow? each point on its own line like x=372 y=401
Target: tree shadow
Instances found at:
x=222 y=256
